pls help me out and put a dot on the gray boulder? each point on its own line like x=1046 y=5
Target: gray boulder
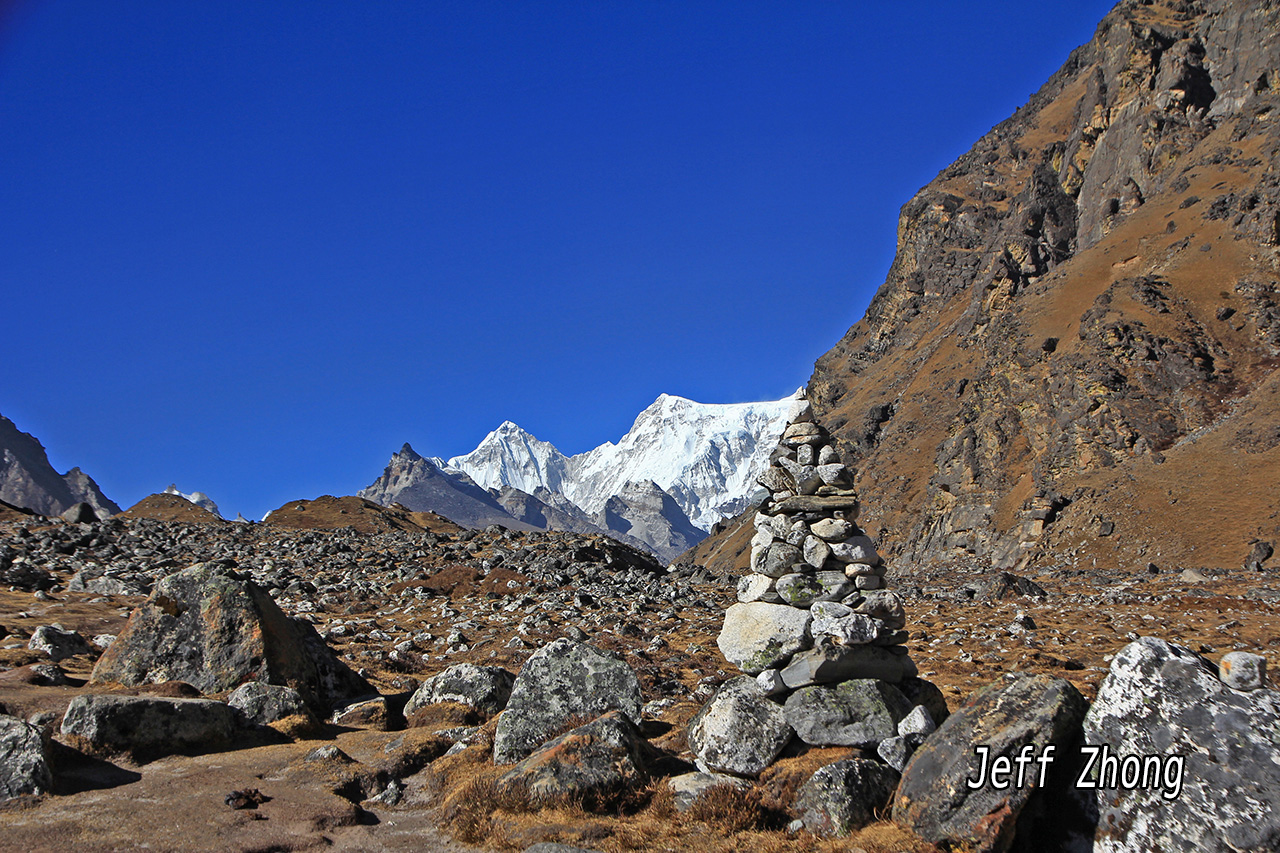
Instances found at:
x=845 y=796
x=1163 y=700
x=485 y=688
x=689 y=786
x=263 y=704
x=1243 y=671
x=757 y=636
x=562 y=680
x=861 y=712
x=739 y=731
x=215 y=630
x=597 y=762
x=58 y=643
x=934 y=798
x=148 y=727
x=24 y=766
x=828 y=662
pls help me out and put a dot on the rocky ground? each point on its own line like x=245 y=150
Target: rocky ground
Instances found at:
x=403 y=604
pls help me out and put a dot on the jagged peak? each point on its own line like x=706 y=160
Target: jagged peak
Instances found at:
x=408 y=451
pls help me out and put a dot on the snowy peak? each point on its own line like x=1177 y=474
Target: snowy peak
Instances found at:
x=510 y=456
x=704 y=455
x=200 y=499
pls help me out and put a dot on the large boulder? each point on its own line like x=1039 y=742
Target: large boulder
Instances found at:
x=561 y=681
x=24 y=766
x=485 y=688
x=148 y=727
x=216 y=630
x=845 y=796
x=757 y=635
x=861 y=712
x=1007 y=719
x=739 y=731
x=597 y=762
x=1215 y=783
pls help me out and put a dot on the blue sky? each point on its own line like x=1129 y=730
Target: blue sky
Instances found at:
x=253 y=247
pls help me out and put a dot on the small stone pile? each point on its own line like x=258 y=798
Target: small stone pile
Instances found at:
x=814 y=609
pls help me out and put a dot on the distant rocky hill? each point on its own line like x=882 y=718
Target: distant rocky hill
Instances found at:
x=1073 y=358
x=681 y=468
x=200 y=499
x=27 y=479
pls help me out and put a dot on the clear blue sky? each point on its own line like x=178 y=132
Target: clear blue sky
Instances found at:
x=253 y=247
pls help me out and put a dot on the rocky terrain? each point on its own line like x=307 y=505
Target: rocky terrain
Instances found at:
x=1012 y=586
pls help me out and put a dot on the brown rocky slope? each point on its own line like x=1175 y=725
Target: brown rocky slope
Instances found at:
x=1072 y=360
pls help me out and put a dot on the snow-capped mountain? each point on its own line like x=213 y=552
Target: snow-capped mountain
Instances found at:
x=705 y=455
x=200 y=499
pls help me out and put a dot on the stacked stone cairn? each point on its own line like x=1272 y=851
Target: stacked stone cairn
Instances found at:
x=817 y=634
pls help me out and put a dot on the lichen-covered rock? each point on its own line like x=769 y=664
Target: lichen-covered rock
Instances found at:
x=264 y=704
x=1243 y=671
x=689 y=786
x=757 y=636
x=1164 y=700
x=148 y=727
x=598 y=761
x=845 y=796
x=24 y=766
x=57 y=643
x=215 y=630
x=485 y=688
x=861 y=712
x=739 y=731
x=934 y=798
x=562 y=680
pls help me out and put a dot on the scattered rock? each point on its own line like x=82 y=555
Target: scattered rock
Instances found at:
x=24 y=766
x=1160 y=699
x=689 y=786
x=263 y=703
x=598 y=761
x=562 y=680
x=1243 y=671
x=148 y=727
x=845 y=796
x=934 y=798
x=740 y=731
x=56 y=642
x=213 y=629
x=485 y=688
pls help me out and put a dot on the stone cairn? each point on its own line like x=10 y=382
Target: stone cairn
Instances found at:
x=815 y=630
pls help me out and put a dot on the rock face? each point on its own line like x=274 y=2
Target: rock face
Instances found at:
x=598 y=761
x=740 y=731
x=934 y=798
x=211 y=628
x=148 y=727
x=560 y=681
x=1160 y=699
x=646 y=512
x=24 y=768
x=28 y=480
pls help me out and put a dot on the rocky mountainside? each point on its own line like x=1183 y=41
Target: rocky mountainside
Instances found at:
x=706 y=456
x=28 y=480
x=1073 y=357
